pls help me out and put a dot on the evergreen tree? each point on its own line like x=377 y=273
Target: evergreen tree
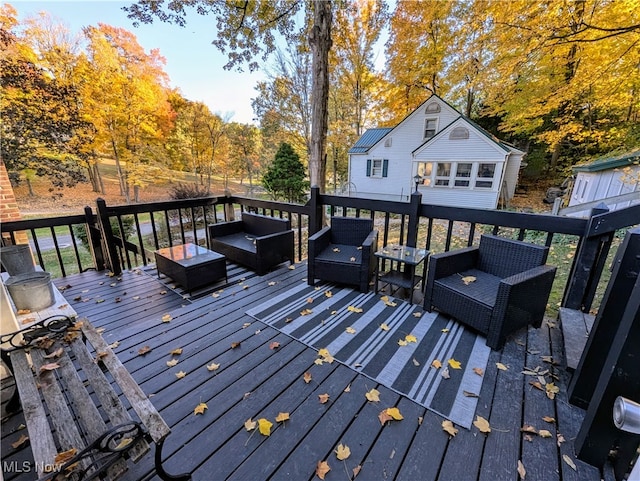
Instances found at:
x=285 y=177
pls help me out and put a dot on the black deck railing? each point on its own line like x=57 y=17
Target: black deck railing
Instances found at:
x=125 y=236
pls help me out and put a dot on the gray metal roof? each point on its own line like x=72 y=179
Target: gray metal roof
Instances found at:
x=368 y=140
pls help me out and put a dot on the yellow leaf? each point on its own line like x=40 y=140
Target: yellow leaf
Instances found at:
x=172 y=363
x=292 y=267
x=306 y=312
x=347 y=389
x=166 y=318
x=322 y=469
x=350 y=330
x=543 y=433
x=436 y=363
x=213 y=366
x=454 y=364
x=521 y=471
x=200 y=408
x=319 y=361
x=354 y=309
x=410 y=338
x=245 y=325
x=468 y=280
x=549 y=419
x=402 y=342
x=282 y=417
x=176 y=352
x=307 y=377
x=264 y=426
x=569 y=461
x=323 y=398
x=250 y=424
x=384 y=327
x=181 y=374
x=445 y=330
x=342 y=452
x=373 y=395
x=395 y=413
x=123 y=444
x=325 y=355
x=552 y=390
x=482 y=424
x=328 y=294
x=448 y=427
x=65 y=456
x=501 y=366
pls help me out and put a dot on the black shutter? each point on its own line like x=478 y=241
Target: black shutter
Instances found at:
x=368 y=167
x=385 y=167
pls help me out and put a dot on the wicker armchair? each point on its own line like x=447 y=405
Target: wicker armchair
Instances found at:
x=343 y=253
x=510 y=289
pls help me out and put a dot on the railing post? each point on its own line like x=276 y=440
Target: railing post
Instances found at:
x=94 y=239
x=229 y=212
x=316 y=214
x=609 y=365
x=113 y=261
x=588 y=264
x=414 y=219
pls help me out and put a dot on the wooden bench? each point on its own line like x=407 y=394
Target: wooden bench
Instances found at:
x=84 y=412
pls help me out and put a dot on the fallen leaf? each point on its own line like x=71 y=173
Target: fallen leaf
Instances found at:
x=250 y=424
x=415 y=362
x=114 y=344
x=144 y=350
x=347 y=389
x=264 y=426
x=322 y=469
x=282 y=417
x=274 y=345
x=199 y=409
x=436 y=363
x=342 y=452
x=445 y=330
x=356 y=470
x=335 y=249
x=309 y=300
x=306 y=312
x=448 y=427
x=417 y=314
x=521 y=471
x=65 y=456
x=445 y=373
x=245 y=325
x=291 y=267
x=57 y=353
x=384 y=417
x=537 y=385
x=354 y=309
x=307 y=377
x=350 y=330
x=328 y=294
x=482 y=424
x=352 y=259
x=325 y=355
x=402 y=342
x=323 y=398
x=172 y=363
x=384 y=327
x=176 y=352
x=213 y=366
x=166 y=318
x=569 y=461
x=21 y=440
x=543 y=433
x=528 y=429
x=373 y=395
x=454 y=364
x=181 y=374
x=468 y=280
x=479 y=371
x=235 y=345
x=272 y=283
x=410 y=338
x=549 y=419
x=559 y=439
x=123 y=444
x=501 y=366
x=552 y=390
x=395 y=414
x=49 y=367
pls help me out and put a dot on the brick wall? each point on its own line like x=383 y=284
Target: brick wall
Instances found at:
x=8 y=206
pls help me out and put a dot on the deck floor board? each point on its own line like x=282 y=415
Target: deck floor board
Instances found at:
x=257 y=379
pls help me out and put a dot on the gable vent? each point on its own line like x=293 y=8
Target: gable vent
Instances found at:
x=388 y=142
x=432 y=108
x=459 y=133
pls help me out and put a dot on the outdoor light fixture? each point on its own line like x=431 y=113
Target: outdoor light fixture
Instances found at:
x=417 y=179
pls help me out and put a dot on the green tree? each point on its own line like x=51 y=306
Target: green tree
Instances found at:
x=285 y=177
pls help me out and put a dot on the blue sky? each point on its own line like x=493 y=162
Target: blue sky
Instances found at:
x=193 y=64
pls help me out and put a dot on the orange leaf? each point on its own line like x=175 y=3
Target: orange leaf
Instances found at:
x=281 y=417
x=235 y=345
x=323 y=398
x=322 y=469
x=448 y=427
x=274 y=345
x=307 y=377
x=200 y=408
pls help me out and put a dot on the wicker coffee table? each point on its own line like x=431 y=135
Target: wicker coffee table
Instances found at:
x=190 y=265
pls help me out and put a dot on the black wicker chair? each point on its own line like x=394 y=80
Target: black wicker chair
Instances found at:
x=343 y=253
x=510 y=288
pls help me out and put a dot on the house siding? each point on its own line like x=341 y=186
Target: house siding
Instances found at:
x=592 y=186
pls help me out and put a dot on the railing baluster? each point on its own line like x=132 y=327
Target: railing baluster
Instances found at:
x=58 y=253
x=152 y=217
x=449 y=234
x=75 y=247
x=472 y=234
x=168 y=225
x=34 y=237
x=143 y=253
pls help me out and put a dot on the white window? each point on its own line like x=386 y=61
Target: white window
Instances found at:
x=430 y=127
x=463 y=174
x=425 y=170
x=443 y=174
x=376 y=168
x=486 y=175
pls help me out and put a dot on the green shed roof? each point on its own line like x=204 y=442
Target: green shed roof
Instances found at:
x=609 y=162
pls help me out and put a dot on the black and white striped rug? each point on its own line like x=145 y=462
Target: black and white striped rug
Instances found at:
x=396 y=345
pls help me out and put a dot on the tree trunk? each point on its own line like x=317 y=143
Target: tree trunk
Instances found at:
x=320 y=42
x=31 y=193
x=98 y=175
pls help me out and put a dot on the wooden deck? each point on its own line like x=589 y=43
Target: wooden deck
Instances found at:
x=254 y=381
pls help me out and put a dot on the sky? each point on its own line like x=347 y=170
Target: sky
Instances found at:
x=193 y=65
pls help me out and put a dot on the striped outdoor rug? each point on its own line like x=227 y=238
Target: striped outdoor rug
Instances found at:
x=358 y=340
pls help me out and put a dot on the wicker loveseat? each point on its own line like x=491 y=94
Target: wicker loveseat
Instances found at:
x=343 y=253
x=495 y=288
x=256 y=241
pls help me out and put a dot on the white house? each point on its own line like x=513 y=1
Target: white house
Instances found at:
x=460 y=164
x=613 y=180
